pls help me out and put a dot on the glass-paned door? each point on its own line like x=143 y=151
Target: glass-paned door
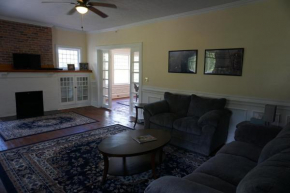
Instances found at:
x=134 y=79
x=106 y=90
x=67 y=89
x=82 y=89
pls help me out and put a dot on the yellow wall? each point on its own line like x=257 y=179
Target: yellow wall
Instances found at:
x=262 y=28
x=69 y=38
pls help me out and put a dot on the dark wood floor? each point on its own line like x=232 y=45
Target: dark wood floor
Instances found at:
x=118 y=115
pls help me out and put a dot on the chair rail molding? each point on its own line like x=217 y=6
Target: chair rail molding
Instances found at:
x=242 y=107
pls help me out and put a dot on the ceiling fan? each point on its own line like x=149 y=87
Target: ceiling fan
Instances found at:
x=82 y=6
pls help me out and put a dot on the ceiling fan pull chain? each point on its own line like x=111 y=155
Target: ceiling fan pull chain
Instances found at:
x=82 y=22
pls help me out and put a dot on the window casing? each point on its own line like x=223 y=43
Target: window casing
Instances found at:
x=121 y=69
x=66 y=55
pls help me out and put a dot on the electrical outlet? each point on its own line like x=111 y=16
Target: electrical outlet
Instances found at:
x=146 y=79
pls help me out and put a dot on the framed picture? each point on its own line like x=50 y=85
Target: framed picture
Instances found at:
x=224 y=62
x=182 y=61
x=71 y=67
x=84 y=66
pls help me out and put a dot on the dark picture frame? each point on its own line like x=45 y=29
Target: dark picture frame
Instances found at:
x=182 y=61
x=71 y=67
x=224 y=61
x=84 y=66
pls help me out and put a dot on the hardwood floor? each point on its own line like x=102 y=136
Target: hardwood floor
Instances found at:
x=106 y=117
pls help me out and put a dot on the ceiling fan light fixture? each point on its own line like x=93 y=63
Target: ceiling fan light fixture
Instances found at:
x=82 y=9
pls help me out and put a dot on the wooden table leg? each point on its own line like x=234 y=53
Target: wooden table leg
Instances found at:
x=153 y=165
x=160 y=155
x=124 y=166
x=106 y=168
x=136 y=116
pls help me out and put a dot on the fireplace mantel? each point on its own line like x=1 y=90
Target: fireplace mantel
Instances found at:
x=48 y=82
x=8 y=68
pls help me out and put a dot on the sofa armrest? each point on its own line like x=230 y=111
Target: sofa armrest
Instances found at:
x=212 y=118
x=170 y=184
x=157 y=107
x=256 y=134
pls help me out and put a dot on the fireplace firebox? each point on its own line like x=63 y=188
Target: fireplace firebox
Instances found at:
x=29 y=104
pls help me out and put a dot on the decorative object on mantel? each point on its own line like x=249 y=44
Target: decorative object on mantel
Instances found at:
x=224 y=61
x=182 y=61
x=84 y=66
x=71 y=67
x=74 y=164
x=32 y=126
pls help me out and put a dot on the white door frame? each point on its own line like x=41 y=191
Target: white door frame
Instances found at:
x=99 y=73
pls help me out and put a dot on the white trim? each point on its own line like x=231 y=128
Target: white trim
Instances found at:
x=99 y=72
x=18 y=20
x=170 y=17
x=68 y=29
x=79 y=49
x=37 y=23
x=118 y=46
x=180 y=15
x=233 y=98
x=243 y=108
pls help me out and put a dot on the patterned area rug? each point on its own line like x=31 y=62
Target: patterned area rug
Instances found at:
x=31 y=126
x=73 y=164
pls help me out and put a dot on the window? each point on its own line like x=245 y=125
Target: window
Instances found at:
x=68 y=56
x=121 y=69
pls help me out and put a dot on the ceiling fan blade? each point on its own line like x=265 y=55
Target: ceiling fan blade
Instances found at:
x=57 y=2
x=72 y=11
x=98 y=12
x=102 y=4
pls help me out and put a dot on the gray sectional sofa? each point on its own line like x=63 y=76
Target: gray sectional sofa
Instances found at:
x=196 y=123
x=258 y=161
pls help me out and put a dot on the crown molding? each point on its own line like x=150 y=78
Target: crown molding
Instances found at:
x=181 y=15
x=166 y=18
x=68 y=29
x=25 y=21
x=39 y=24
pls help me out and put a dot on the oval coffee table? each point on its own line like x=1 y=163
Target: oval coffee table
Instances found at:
x=124 y=156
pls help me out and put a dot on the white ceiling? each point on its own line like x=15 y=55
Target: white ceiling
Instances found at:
x=128 y=12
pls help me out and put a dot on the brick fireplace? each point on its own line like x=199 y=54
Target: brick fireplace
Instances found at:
x=25 y=38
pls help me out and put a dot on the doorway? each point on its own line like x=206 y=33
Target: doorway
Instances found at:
x=120 y=80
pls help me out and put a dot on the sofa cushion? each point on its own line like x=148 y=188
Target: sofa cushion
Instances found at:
x=258 y=135
x=177 y=103
x=164 y=119
x=170 y=184
x=211 y=181
x=271 y=176
x=229 y=168
x=277 y=145
x=188 y=125
x=199 y=106
x=242 y=149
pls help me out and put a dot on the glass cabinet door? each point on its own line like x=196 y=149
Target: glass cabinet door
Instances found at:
x=135 y=79
x=82 y=89
x=106 y=98
x=67 y=89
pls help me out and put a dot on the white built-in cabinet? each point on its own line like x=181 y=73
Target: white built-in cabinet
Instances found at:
x=74 y=89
